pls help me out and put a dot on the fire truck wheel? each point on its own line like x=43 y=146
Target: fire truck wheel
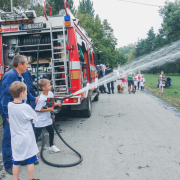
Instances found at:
x=87 y=112
x=96 y=98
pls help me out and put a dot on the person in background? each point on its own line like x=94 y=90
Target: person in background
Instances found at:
x=116 y=73
x=142 y=82
x=124 y=79
x=109 y=70
x=139 y=78
x=23 y=142
x=161 y=82
x=20 y=65
x=130 y=82
x=99 y=76
x=135 y=81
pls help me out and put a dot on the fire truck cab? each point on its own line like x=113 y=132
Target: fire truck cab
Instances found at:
x=66 y=53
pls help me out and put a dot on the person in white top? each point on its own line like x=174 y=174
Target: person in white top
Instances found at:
x=135 y=81
x=44 y=113
x=139 y=78
x=142 y=83
x=23 y=142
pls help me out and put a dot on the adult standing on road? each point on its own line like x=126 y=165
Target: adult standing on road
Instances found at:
x=29 y=83
x=20 y=65
x=139 y=75
x=109 y=70
x=101 y=75
x=161 y=82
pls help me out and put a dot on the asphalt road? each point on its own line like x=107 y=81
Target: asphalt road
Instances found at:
x=128 y=137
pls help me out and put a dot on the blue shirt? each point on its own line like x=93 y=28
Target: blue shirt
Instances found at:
x=5 y=95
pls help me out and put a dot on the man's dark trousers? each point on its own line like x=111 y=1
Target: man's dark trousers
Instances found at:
x=6 y=146
x=112 y=86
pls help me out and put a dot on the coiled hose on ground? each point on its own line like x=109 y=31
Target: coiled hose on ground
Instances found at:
x=59 y=165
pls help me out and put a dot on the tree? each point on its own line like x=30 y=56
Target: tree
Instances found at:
x=171 y=20
x=86 y=7
x=57 y=5
x=5 y=5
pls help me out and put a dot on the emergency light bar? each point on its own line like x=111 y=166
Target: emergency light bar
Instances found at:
x=67 y=20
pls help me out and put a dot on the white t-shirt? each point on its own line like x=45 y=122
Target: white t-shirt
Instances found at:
x=44 y=118
x=142 y=81
x=23 y=140
x=135 y=80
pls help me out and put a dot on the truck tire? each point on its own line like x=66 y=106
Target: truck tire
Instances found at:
x=96 y=98
x=87 y=112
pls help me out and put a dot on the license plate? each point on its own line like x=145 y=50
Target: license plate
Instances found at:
x=33 y=26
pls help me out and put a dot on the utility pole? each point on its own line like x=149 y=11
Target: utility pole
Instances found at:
x=11 y=5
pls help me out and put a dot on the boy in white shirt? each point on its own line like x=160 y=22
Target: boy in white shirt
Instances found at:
x=23 y=142
x=44 y=113
x=142 y=82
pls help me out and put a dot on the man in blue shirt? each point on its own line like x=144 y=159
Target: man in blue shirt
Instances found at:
x=108 y=71
x=20 y=65
x=101 y=75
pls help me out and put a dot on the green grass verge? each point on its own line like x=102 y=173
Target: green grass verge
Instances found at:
x=171 y=94
x=1 y=121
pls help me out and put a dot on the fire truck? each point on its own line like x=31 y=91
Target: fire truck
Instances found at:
x=57 y=47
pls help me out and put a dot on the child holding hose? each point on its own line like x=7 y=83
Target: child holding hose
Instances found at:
x=44 y=113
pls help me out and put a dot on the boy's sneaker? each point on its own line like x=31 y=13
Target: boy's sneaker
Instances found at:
x=54 y=148
x=129 y=92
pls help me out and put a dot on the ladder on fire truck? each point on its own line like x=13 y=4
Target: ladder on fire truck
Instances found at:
x=63 y=65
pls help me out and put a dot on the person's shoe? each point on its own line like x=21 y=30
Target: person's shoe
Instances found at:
x=36 y=162
x=129 y=92
x=109 y=92
x=54 y=148
x=137 y=89
x=9 y=171
x=112 y=92
x=133 y=91
x=106 y=92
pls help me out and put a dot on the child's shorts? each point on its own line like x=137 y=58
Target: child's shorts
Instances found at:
x=30 y=160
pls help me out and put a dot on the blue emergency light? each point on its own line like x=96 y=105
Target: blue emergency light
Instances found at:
x=22 y=26
x=67 y=18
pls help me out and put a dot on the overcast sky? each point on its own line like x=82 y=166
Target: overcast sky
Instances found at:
x=130 y=21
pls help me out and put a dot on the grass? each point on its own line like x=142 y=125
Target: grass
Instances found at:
x=1 y=121
x=171 y=94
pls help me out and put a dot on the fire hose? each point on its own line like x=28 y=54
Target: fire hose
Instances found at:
x=49 y=103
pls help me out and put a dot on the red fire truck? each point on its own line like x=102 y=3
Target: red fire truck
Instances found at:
x=66 y=54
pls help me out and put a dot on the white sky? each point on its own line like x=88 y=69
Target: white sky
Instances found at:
x=130 y=21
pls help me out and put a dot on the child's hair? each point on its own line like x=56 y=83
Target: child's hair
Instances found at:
x=43 y=82
x=16 y=88
x=142 y=75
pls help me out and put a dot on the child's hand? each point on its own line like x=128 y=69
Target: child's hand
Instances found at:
x=59 y=104
x=36 y=99
x=51 y=109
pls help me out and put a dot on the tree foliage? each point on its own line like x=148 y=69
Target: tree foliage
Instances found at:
x=169 y=32
x=86 y=7
x=57 y=5
x=97 y=30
